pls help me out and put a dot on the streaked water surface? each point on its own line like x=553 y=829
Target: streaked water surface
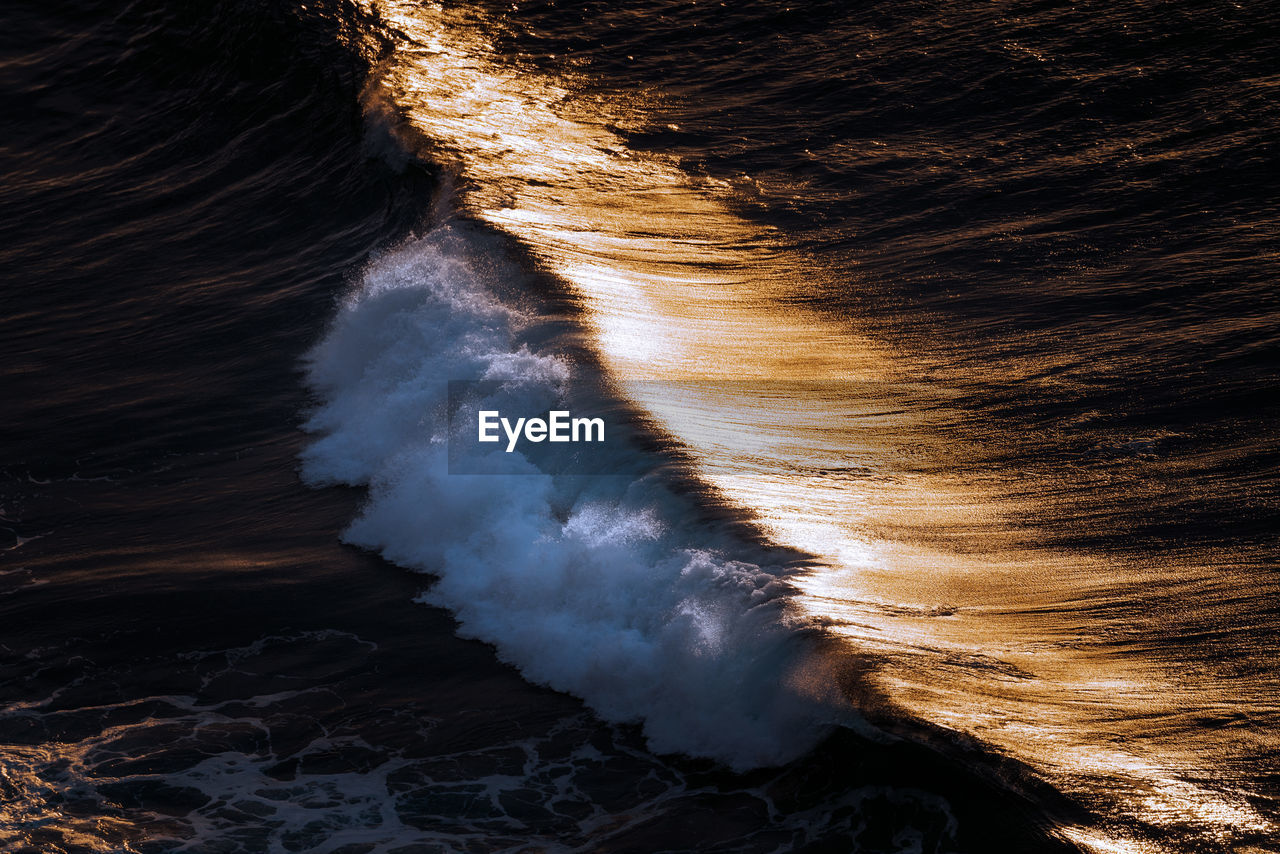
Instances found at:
x=1000 y=375
x=969 y=307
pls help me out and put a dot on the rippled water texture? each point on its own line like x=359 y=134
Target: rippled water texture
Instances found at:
x=968 y=309
x=1016 y=518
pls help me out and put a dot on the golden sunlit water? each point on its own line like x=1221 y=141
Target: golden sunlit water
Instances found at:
x=927 y=567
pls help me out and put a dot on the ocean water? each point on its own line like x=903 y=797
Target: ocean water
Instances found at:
x=943 y=340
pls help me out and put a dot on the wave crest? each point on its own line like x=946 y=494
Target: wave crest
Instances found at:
x=604 y=587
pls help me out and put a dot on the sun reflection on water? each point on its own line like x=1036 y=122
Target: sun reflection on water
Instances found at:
x=817 y=429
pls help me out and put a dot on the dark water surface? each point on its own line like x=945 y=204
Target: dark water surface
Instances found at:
x=979 y=300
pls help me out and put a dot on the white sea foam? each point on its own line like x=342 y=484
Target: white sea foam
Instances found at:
x=604 y=587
